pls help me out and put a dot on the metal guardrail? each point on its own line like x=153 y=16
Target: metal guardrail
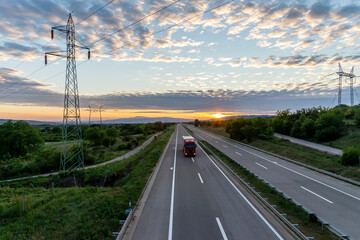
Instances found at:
x=333 y=229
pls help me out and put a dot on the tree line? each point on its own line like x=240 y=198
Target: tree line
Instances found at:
x=23 y=150
x=313 y=124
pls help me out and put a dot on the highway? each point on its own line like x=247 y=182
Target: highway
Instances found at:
x=192 y=198
x=335 y=201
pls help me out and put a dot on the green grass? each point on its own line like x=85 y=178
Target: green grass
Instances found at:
x=301 y=154
x=85 y=212
x=308 y=226
x=351 y=139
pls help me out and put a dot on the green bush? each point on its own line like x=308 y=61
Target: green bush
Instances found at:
x=350 y=156
x=357 y=118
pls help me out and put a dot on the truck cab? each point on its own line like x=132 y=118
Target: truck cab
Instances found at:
x=189 y=146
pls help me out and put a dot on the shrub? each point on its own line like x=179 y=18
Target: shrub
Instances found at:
x=350 y=156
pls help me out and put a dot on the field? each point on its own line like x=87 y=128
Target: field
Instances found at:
x=91 y=210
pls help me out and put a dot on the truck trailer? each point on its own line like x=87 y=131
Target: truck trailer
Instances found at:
x=189 y=146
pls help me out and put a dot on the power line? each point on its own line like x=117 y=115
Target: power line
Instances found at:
x=26 y=87
x=174 y=25
x=40 y=48
x=101 y=8
x=32 y=73
x=137 y=21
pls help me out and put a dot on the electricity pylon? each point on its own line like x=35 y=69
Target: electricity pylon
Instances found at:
x=350 y=75
x=72 y=154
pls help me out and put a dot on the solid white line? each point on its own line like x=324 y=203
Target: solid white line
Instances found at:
x=200 y=178
x=173 y=191
x=221 y=229
x=238 y=153
x=317 y=195
x=243 y=196
x=192 y=159
x=261 y=165
x=315 y=180
x=225 y=146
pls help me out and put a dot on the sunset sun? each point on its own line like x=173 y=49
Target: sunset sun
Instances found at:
x=218 y=115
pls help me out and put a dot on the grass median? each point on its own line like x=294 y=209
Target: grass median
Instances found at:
x=91 y=210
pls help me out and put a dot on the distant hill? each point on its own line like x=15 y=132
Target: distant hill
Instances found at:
x=31 y=122
x=141 y=119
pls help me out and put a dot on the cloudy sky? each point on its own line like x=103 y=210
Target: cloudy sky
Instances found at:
x=188 y=59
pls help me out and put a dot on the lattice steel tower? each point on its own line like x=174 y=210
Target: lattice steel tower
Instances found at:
x=351 y=76
x=72 y=155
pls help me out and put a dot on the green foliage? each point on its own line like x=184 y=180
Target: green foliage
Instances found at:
x=17 y=139
x=357 y=118
x=313 y=123
x=196 y=122
x=350 y=156
x=249 y=129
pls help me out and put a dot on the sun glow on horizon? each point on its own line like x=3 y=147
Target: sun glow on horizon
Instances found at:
x=219 y=115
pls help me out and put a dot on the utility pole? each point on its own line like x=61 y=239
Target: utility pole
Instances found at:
x=352 y=87
x=340 y=73
x=89 y=116
x=71 y=159
x=350 y=75
x=100 y=116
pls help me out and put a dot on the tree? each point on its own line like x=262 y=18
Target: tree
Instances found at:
x=308 y=128
x=95 y=135
x=18 y=138
x=350 y=157
x=196 y=122
x=330 y=125
x=357 y=118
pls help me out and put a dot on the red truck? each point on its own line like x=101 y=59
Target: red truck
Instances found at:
x=189 y=146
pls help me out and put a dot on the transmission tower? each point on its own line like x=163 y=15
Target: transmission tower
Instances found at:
x=72 y=155
x=100 y=109
x=350 y=75
x=89 y=116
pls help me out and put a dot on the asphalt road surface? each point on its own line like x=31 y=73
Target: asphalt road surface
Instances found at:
x=335 y=201
x=191 y=198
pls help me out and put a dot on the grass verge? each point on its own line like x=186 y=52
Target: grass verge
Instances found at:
x=309 y=226
x=84 y=212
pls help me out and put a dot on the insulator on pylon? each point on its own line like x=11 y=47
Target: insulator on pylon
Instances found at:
x=88 y=54
x=52 y=34
x=45 y=59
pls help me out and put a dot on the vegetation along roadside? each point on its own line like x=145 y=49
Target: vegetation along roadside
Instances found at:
x=91 y=210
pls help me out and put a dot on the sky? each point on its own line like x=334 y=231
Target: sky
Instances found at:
x=184 y=59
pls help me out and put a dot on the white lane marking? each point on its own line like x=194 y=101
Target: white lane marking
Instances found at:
x=221 y=229
x=200 y=178
x=192 y=159
x=171 y=168
x=173 y=192
x=317 y=195
x=242 y=195
x=238 y=153
x=261 y=165
x=225 y=146
x=315 y=180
